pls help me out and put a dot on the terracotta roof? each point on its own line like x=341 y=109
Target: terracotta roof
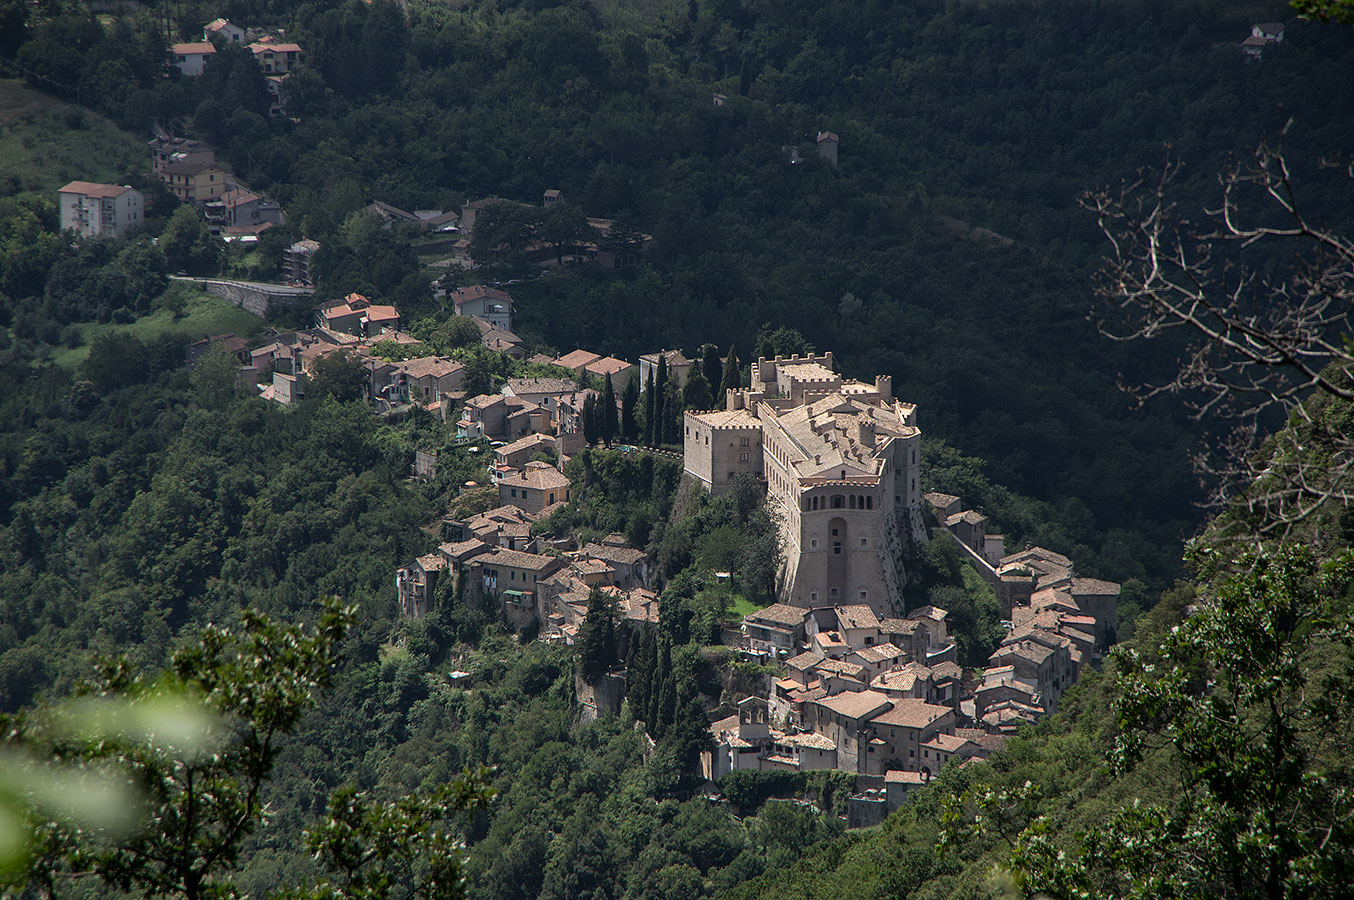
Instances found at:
x=857 y=616
x=855 y=704
x=626 y=555
x=517 y=559
x=934 y=613
x=435 y=366
x=911 y=713
x=898 y=776
x=479 y=292
x=879 y=653
x=1093 y=586
x=93 y=189
x=809 y=739
x=537 y=475
x=203 y=48
x=607 y=366
x=577 y=359
x=521 y=386
x=972 y=517
x=840 y=667
x=779 y=614
x=803 y=661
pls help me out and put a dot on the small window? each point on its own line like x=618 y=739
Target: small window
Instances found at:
x=867 y=640
x=813 y=543
x=862 y=542
x=743 y=457
x=834 y=532
x=836 y=548
x=832 y=592
x=813 y=596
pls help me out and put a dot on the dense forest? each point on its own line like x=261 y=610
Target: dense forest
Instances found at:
x=141 y=503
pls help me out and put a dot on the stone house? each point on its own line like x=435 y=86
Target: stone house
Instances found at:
x=631 y=566
x=415 y=584
x=777 y=629
x=512 y=579
x=511 y=457
x=845 y=720
x=618 y=371
x=577 y=360
x=903 y=729
x=678 y=368
x=534 y=487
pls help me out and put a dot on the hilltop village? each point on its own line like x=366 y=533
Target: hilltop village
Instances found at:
x=859 y=682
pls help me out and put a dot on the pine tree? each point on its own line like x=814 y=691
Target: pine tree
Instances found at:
x=732 y=379
x=608 y=413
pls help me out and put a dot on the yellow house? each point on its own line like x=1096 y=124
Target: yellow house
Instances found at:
x=194 y=182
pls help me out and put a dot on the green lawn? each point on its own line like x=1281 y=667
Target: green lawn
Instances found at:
x=46 y=143
x=205 y=315
x=743 y=607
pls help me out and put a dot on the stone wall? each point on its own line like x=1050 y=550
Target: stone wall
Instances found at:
x=254 y=297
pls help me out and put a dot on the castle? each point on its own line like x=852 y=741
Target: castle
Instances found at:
x=840 y=461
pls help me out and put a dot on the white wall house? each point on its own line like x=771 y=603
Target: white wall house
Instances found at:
x=100 y=210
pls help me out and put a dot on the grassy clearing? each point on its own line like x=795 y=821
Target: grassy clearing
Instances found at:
x=204 y=315
x=46 y=143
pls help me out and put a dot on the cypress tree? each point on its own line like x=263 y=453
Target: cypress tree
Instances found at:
x=660 y=385
x=608 y=413
x=629 y=399
x=672 y=414
x=590 y=419
x=731 y=380
x=696 y=394
x=712 y=370
x=649 y=410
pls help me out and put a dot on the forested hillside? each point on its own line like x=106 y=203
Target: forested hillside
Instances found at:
x=946 y=247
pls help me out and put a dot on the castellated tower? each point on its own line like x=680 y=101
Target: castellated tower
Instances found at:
x=841 y=463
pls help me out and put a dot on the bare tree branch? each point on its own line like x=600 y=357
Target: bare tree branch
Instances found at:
x=1254 y=343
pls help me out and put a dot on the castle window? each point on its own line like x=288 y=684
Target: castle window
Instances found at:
x=832 y=592
x=869 y=503
x=836 y=548
x=852 y=504
x=837 y=501
x=813 y=543
x=743 y=457
x=813 y=596
x=862 y=542
x=742 y=442
x=834 y=532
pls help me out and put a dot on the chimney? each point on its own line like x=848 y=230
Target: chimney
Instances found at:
x=884 y=385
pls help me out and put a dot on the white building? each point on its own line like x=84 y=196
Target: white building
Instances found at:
x=841 y=462
x=100 y=210
x=191 y=59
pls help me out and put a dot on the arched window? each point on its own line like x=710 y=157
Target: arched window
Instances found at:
x=852 y=504
x=837 y=501
x=869 y=503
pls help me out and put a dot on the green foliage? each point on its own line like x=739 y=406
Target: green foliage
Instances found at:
x=340 y=376
x=596 y=643
x=372 y=850
x=204 y=802
x=187 y=244
x=1262 y=810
